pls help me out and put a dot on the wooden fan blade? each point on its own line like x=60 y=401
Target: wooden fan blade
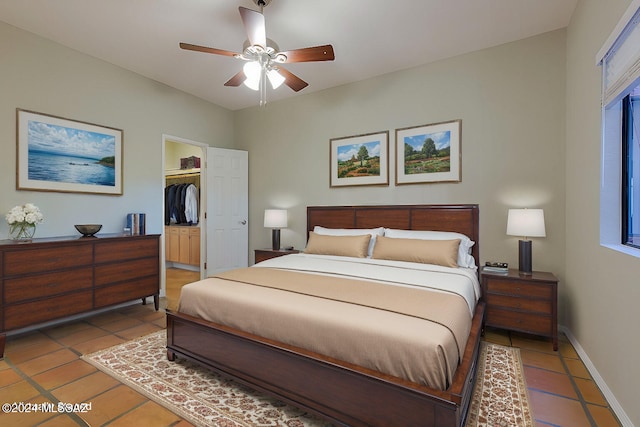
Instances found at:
x=188 y=46
x=291 y=80
x=253 y=22
x=236 y=80
x=308 y=54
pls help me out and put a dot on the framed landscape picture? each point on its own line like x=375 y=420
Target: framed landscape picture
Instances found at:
x=360 y=160
x=57 y=154
x=429 y=153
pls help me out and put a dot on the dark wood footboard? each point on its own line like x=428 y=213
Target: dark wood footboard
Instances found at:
x=341 y=392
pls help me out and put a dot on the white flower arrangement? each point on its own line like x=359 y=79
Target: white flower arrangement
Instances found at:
x=26 y=214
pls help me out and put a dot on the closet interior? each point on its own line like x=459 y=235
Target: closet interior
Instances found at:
x=182 y=205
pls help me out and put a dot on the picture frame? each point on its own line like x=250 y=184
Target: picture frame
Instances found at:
x=69 y=156
x=429 y=153
x=359 y=160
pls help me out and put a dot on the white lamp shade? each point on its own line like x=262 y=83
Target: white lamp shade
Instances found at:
x=526 y=222
x=275 y=218
x=253 y=71
x=275 y=78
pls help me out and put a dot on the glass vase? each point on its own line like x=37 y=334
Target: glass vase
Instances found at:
x=21 y=231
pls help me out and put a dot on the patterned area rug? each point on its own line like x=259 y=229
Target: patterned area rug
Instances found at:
x=206 y=399
x=500 y=397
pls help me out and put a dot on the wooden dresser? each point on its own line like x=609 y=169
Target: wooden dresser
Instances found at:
x=53 y=278
x=524 y=303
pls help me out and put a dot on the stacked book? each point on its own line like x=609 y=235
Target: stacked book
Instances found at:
x=137 y=223
x=496 y=267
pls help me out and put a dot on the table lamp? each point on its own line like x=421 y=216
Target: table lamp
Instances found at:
x=275 y=219
x=526 y=223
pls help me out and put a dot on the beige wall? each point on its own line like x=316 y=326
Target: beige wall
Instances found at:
x=174 y=151
x=38 y=75
x=602 y=286
x=511 y=102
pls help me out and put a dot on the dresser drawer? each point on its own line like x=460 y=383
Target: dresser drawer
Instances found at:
x=47 y=284
x=46 y=259
x=518 y=303
x=516 y=320
x=128 y=248
x=26 y=314
x=513 y=287
x=127 y=270
x=265 y=254
x=127 y=291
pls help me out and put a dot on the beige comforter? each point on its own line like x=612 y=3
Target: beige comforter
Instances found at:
x=412 y=333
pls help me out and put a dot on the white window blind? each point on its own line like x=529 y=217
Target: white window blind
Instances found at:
x=620 y=57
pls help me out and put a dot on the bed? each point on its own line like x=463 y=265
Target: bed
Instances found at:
x=342 y=389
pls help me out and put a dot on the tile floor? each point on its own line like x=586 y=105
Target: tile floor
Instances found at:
x=45 y=366
x=561 y=390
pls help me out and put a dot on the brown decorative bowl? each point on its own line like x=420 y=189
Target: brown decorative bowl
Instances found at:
x=88 y=229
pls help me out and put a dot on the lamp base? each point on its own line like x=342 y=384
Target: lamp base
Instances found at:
x=524 y=256
x=275 y=239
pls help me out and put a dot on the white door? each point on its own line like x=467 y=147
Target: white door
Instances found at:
x=227 y=210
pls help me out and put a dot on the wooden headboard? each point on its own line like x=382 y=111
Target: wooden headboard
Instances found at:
x=459 y=218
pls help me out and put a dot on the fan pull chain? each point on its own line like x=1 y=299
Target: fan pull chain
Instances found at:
x=263 y=87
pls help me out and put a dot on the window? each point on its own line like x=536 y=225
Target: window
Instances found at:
x=631 y=169
x=620 y=183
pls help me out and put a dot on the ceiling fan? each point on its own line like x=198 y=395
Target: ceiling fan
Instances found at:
x=263 y=57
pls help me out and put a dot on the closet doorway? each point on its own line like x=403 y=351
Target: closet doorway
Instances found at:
x=183 y=211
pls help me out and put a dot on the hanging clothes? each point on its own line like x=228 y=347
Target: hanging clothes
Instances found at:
x=169 y=202
x=181 y=199
x=191 y=204
x=181 y=204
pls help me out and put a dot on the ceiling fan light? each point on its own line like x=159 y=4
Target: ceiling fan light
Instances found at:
x=275 y=78
x=253 y=71
x=252 y=84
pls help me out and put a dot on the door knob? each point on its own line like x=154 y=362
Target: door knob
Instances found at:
x=243 y=222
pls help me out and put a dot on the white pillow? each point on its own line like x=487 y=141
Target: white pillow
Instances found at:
x=465 y=259
x=352 y=232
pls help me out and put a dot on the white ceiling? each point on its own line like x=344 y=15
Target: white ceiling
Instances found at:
x=370 y=38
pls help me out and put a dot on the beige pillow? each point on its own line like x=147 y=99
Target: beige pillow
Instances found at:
x=439 y=252
x=353 y=246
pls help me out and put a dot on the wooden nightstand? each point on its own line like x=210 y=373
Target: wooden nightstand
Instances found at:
x=524 y=303
x=263 y=254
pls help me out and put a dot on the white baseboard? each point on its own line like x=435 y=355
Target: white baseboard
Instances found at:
x=611 y=399
x=172 y=264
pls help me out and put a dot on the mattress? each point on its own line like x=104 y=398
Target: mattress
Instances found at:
x=408 y=320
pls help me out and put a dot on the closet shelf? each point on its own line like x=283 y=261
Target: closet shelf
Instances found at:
x=176 y=172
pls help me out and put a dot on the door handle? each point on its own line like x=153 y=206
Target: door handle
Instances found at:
x=243 y=222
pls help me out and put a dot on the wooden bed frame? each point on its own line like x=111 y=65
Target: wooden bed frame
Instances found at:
x=343 y=393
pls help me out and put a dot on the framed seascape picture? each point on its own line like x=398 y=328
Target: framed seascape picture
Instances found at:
x=429 y=153
x=57 y=154
x=360 y=160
